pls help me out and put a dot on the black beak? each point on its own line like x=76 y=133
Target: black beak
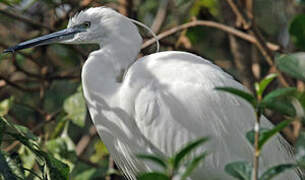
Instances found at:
x=56 y=37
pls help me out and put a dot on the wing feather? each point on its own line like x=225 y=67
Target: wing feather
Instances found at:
x=176 y=102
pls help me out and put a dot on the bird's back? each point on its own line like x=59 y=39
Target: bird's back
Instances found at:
x=173 y=100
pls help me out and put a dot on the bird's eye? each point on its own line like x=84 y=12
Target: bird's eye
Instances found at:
x=87 y=24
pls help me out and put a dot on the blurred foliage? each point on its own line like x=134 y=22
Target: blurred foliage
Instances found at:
x=45 y=125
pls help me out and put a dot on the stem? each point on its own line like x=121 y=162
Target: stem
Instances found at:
x=256 y=147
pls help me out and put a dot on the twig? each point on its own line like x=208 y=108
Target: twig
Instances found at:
x=30 y=57
x=84 y=141
x=213 y=24
x=125 y=7
x=25 y=20
x=17 y=86
x=19 y=68
x=256 y=148
x=259 y=40
x=160 y=17
x=48 y=118
x=110 y=166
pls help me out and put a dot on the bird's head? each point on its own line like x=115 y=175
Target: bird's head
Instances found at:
x=98 y=25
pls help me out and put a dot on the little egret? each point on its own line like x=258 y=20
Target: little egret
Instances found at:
x=161 y=101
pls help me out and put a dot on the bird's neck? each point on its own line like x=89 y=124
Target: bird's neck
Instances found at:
x=104 y=69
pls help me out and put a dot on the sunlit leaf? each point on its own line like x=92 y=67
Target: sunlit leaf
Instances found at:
x=186 y=150
x=193 y=165
x=242 y=94
x=292 y=64
x=211 y=5
x=157 y=160
x=276 y=170
x=76 y=108
x=153 y=176
x=265 y=134
x=5 y=106
x=241 y=170
x=100 y=152
x=60 y=146
x=261 y=86
x=27 y=158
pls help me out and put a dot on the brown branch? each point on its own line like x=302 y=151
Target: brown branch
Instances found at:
x=25 y=20
x=17 y=86
x=213 y=24
x=261 y=44
x=19 y=68
x=30 y=57
x=84 y=141
x=160 y=17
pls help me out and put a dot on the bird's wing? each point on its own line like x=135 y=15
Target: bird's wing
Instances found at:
x=176 y=102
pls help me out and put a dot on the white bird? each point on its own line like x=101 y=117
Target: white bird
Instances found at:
x=161 y=101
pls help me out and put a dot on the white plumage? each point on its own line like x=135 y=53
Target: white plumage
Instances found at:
x=162 y=101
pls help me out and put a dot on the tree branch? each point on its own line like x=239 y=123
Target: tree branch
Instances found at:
x=160 y=17
x=259 y=40
x=213 y=24
x=25 y=20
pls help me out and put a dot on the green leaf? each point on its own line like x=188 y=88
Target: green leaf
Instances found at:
x=5 y=170
x=57 y=169
x=15 y=164
x=186 y=150
x=100 y=152
x=300 y=149
x=60 y=146
x=265 y=134
x=282 y=106
x=292 y=64
x=158 y=160
x=20 y=129
x=244 y=95
x=153 y=176
x=76 y=108
x=241 y=170
x=276 y=170
x=25 y=131
x=2 y=129
x=59 y=127
x=5 y=106
x=297 y=29
x=280 y=100
x=10 y=2
x=261 y=86
x=194 y=164
x=279 y=93
x=27 y=158
x=27 y=142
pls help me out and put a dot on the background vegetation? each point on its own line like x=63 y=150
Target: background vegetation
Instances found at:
x=45 y=130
